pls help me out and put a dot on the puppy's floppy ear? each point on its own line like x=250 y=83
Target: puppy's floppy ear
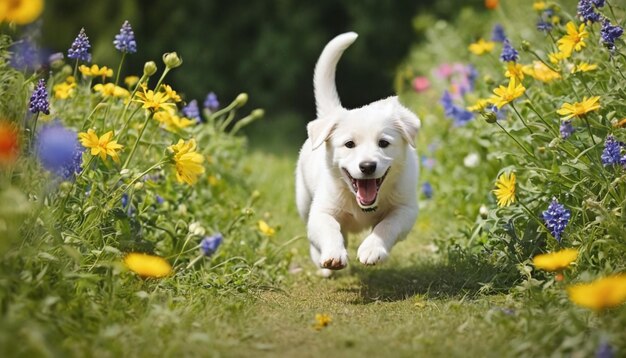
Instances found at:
x=406 y=121
x=320 y=130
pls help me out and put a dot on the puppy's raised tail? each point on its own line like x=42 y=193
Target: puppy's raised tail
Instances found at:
x=326 y=97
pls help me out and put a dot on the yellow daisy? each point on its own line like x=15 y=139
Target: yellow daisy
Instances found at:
x=20 y=12
x=322 y=320
x=577 y=109
x=555 y=261
x=147 y=265
x=505 y=189
x=607 y=292
x=188 y=162
x=539 y=5
x=514 y=70
x=171 y=122
x=480 y=105
x=584 y=67
x=95 y=71
x=504 y=95
x=574 y=40
x=171 y=93
x=481 y=47
x=102 y=146
x=65 y=89
x=265 y=229
x=111 y=90
x=131 y=81
x=556 y=57
x=153 y=101
x=539 y=71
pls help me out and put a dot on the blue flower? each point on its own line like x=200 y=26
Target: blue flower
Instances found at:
x=159 y=199
x=605 y=350
x=472 y=74
x=500 y=113
x=25 y=55
x=209 y=244
x=598 y=3
x=544 y=26
x=556 y=218
x=509 y=54
x=211 y=103
x=125 y=40
x=458 y=114
x=587 y=11
x=497 y=34
x=80 y=47
x=124 y=200
x=612 y=153
x=191 y=110
x=610 y=33
x=427 y=190
x=566 y=129
x=39 y=99
x=58 y=150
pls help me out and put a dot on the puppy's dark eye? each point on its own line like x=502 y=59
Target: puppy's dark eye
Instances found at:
x=383 y=143
x=350 y=144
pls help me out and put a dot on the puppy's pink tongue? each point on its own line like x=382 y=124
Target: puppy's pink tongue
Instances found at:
x=366 y=190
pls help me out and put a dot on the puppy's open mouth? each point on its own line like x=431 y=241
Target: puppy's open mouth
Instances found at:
x=366 y=190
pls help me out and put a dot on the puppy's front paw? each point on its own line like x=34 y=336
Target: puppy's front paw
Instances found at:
x=371 y=253
x=334 y=259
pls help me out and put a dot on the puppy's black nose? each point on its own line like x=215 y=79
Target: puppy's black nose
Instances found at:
x=367 y=167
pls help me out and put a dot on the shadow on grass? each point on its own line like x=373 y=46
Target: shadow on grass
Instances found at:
x=461 y=279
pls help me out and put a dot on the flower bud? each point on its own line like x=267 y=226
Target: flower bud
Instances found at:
x=483 y=211
x=138 y=185
x=257 y=113
x=125 y=173
x=65 y=187
x=67 y=70
x=172 y=60
x=149 y=68
x=525 y=45
x=489 y=80
x=56 y=60
x=490 y=117
x=241 y=100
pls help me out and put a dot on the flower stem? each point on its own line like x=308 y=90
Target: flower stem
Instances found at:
x=532 y=107
x=143 y=129
x=522 y=119
x=516 y=141
x=130 y=100
x=531 y=214
x=589 y=129
x=119 y=68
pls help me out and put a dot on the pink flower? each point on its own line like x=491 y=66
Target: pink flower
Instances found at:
x=421 y=83
x=444 y=71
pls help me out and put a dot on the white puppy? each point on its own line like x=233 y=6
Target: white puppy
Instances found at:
x=357 y=170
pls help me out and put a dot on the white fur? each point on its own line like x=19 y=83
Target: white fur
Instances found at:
x=324 y=191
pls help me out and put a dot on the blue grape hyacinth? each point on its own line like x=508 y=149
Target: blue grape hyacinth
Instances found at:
x=80 y=47
x=609 y=34
x=39 y=99
x=612 y=152
x=556 y=218
x=497 y=34
x=459 y=114
x=192 y=111
x=125 y=40
x=566 y=129
x=509 y=53
x=587 y=11
x=211 y=103
x=59 y=151
x=209 y=244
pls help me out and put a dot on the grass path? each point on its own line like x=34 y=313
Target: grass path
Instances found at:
x=410 y=305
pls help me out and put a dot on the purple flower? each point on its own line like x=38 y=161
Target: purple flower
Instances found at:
x=209 y=244
x=587 y=12
x=497 y=34
x=500 y=113
x=159 y=199
x=556 y=218
x=55 y=57
x=428 y=163
x=598 y=3
x=509 y=54
x=125 y=40
x=566 y=129
x=39 y=99
x=25 y=55
x=459 y=114
x=605 y=350
x=80 y=47
x=544 y=23
x=612 y=153
x=427 y=190
x=191 y=110
x=58 y=150
x=609 y=34
x=211 y=103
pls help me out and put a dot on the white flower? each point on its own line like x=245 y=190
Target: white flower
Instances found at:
x=471 y=160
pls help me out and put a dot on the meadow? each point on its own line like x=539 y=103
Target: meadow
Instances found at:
x=137 y=222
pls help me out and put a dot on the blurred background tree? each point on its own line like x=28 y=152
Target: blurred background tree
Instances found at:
x=267 y=48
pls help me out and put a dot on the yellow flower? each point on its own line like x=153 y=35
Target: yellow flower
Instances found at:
x=504 y=95
x=147 y=265
x=171 y=122
x=188 y=162
x=556 y=57
x=322 y=320
x=555 y=261
x=153 y=101
x=480 y=105
x=265 y=229
x=171 y=93
x=481 y=47
x=584 y=67
x=131 y=81
x=574 y=40
x=577 y=109
x=607 y=292
x=514 y=70
x=20 y=12
x=102 y=146
x=505 y=189
x=111 y=90
x=95 y=71
x=213 y=180
x=539 y=5
x=619 y=124
x=541 y=72
x=66 y=89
